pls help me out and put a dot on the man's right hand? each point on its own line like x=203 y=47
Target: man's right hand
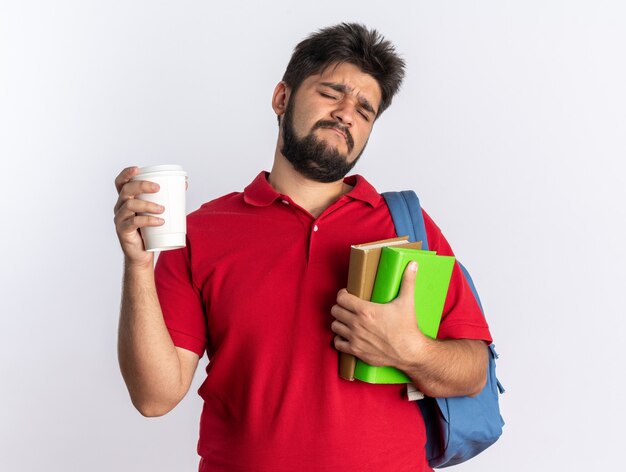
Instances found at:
x=128 y=222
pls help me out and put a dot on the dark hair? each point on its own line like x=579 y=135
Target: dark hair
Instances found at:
x=349 y=43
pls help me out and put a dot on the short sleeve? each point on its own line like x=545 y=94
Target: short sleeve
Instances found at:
x=462 y=317
x=181 y=302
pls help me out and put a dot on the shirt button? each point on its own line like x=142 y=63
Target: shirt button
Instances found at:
x=285 y=202
x=315 y=228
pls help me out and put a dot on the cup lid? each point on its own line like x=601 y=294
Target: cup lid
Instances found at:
x=161 y=168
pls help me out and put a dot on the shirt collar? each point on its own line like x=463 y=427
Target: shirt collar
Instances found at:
x=362 y=190
x=260 y=193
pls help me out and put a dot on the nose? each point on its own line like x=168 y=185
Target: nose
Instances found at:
x=344 y=113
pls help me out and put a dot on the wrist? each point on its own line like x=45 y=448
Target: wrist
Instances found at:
x=417 y=351
x=146 y=266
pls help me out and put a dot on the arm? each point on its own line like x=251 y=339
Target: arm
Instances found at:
x=157 y=374
x=388 y=335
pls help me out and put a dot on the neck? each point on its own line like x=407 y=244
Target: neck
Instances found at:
x=313 y=196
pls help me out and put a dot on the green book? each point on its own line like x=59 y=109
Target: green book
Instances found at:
x=431 y=287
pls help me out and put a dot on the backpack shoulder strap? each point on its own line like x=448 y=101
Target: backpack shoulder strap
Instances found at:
x=406 y=213
x=408 y=219
x=468 y=425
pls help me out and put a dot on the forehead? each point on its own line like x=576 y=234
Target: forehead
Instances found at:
x=354 y=80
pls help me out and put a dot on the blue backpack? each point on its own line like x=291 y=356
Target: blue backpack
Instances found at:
x=457 y=428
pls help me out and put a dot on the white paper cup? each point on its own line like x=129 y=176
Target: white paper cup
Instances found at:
x=171 y=195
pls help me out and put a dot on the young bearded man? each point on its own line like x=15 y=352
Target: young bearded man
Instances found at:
x=259 y=288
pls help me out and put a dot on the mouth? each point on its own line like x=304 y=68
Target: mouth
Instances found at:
x=342 y=132
x=338 y=131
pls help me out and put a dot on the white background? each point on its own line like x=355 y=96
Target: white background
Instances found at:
x=510 y=126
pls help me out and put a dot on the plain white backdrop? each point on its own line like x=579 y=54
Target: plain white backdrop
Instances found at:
x=511 y=126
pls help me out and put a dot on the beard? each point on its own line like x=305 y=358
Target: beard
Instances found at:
x=313 y=157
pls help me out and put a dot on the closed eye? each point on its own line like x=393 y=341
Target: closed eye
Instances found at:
x=364 y=115
x=328 y=96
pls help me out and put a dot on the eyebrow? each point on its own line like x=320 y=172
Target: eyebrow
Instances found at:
x=342 y=88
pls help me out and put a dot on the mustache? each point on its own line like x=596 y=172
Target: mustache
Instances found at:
x=335 y=125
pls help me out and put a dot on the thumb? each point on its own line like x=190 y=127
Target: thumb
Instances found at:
x=407 y=288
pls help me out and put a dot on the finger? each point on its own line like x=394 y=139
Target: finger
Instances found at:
x=340 y=329
x=134 y=205
x=341 y=344
x=341 y=314
x=137 y=187
x=131 y=189
x=124 y=177
x=348 y=301
x=407 y=289
x=132 y=224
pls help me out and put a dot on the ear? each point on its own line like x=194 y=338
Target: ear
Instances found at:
x=280 y=98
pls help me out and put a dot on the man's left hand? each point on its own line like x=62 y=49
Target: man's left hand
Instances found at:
x=379 y=334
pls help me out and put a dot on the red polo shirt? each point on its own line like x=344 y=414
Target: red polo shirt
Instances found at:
x=254 y=288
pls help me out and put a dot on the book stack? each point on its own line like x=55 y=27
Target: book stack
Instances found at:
x=375 y=274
